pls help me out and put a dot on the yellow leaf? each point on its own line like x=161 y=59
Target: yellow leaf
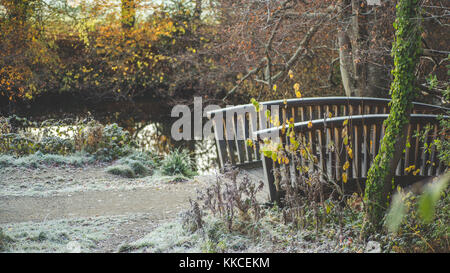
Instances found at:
x=274 y=87
x=344 y=177
x=350 y=153
x=310 y=125
x=346 y=165
x=296 y=87
x=249 y=142
x=298 y=94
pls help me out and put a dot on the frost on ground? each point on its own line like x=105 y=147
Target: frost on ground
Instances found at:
x=46 y=181
x=266 y=237
x=66 y=235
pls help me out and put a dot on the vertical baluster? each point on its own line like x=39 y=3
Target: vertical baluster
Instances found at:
x=407 y=148
x=441 y=166
x=377 y=109
x=416 y=147
x=424 y=159
x=312 y=147
x=293 y=115
x=432 y=167
x=351 y=137
x=339 y=152
x=269 y=178
x=310 y=112
x=239 y=137
x=253 y=127
x=329 y=136
x=229 y=136
x=220 y=141
x=357 y=151
x=322 y=149
x=366 y=149
x=302 y=114
x=246 y=126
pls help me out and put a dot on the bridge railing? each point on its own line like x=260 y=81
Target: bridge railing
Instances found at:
x=324 y=138
x=234 y=125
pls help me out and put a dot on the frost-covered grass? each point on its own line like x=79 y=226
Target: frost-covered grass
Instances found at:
x=121 y=170
x=269 y=235
x=60 y=235
x=173 y=238
x=39 y=160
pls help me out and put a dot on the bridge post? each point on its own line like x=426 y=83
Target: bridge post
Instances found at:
x=269 y=179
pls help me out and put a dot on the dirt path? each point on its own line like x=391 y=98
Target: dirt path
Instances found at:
x=159 y=203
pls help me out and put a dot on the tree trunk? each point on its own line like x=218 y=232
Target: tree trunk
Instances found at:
x=361 y=73
x=406 y=50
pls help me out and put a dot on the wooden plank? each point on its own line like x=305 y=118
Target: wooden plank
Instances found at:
x=229 y=136
x=310 y=112
x=357 y=154
x=351 y=138
x=424 y=157
x=220 y=143
x=433 y=163
x=338 y=153
x=416 y=147
x=246 y=125
x=254 y=125
x=239 y=137
x=312 y=148
x=366 y=150
x=322 y=149
x=302 y=114
x=329 y=138
x=269 y=179
x=407 y=160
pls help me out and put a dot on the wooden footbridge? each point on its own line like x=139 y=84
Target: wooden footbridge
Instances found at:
x=326 y=126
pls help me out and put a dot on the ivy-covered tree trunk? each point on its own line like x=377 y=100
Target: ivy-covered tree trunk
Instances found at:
x=406 y=51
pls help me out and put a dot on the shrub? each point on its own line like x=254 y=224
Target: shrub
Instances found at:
x=121 y=170
x=141 y=163
x=137 y=166
x=56 y=145
x=17 y=144
x=63 y=137
x=178 y=163
x=4 y=240
x=105 y=142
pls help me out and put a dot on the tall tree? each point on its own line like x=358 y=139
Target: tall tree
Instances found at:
x=406 y=51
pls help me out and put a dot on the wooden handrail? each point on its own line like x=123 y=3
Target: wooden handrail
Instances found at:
x=338 y=121
x=318 y=101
